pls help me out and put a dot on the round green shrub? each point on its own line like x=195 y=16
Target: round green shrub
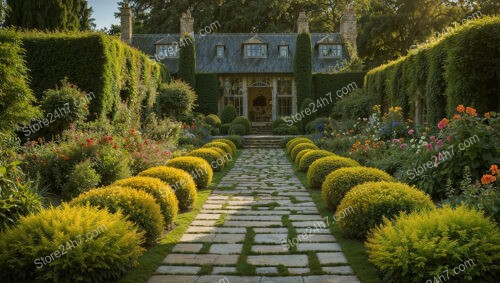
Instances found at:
x=277 y=123
x=286 y=130
x=228 y=142
x=211 y=156
x=221 y=145
x=213 y=120
x=295 y=141
x=199 y=169
x=162 y=192
x=236 y=139
x=237 y=129
x=224 y=128
x=82 y=178
x=139 y=206
x=301 y=154
x=228 y=114
x=179 y=180
x=242 y=120
x=69 y=244
x=340 y=181
x=299 y=147
x=312 y=156
x=218 y=149
x=176 y=98
x=421 y=246
x=320 y=168
x=371 y=201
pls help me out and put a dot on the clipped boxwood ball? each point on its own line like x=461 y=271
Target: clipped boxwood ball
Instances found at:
x=198 y=167
x=213 y=120
x=228 y=142
x=139 y=206
x=421 y=246
x=340 y=181
x=312 y=156
x=370 y=202
x=161 y=191
x=242 y=120
x=179 y=180
x=295 y=141
x=211 y=156
x=320 y=168
x=69 y=244
x=301 y=146
x=237 y=129
x=221 y=145
x=301 y=154
x=218 y=149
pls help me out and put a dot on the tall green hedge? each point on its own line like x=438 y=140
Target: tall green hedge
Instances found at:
x=303 y=67
x=208 y=92
x=331 y=83
x=187 y=61
x=113 y=71
x=461 y=68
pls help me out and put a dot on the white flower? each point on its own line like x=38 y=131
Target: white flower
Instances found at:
x=412 y=140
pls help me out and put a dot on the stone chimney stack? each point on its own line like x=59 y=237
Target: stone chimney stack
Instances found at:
x=126 y=24
x=303 y=23
x=187 y=23
x=348 y=27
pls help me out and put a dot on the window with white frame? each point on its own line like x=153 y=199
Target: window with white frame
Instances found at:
x=233 y=93
x=283 y=49
x=168 y=51
x=330 y=51
x=220 y=51
x=256 y=51
x=285 y=96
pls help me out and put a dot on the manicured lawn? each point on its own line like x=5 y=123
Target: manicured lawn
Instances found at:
x=152 y=258
x=354 y=251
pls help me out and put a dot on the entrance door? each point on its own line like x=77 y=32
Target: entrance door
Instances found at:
x=260 y=104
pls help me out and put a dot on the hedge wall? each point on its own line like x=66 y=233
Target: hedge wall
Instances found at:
x=302 y=67
x=461 y=68
x=326 y=83
x=96 y=63
x=208 y=92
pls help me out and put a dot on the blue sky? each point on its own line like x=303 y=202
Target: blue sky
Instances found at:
x=104 y=12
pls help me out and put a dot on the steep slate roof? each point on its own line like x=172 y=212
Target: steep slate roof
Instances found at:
x=234 y=60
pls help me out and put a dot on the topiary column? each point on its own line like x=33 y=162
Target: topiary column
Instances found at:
x=187 y=61
x=303 y=67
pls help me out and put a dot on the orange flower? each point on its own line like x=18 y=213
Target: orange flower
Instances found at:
x=487 y=115
x=460 y=108
x=494 y=169
x=487 y=178
x=443 y=123
x=456 y=117
x=471 y=111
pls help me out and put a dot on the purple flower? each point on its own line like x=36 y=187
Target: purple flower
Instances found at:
x=411 y=132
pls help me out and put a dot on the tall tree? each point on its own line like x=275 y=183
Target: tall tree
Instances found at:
x=62 y=15
x=187 y=61
x=303 y=67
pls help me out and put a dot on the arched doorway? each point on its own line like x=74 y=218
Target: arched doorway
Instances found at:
x=260 y=102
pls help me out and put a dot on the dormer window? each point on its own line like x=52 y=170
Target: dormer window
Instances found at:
x=167 y=51
x=283 y=50
x=220 y=51
x=330 y=51
x=256 y=51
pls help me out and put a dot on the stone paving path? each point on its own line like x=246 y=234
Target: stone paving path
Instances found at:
x=245 y=226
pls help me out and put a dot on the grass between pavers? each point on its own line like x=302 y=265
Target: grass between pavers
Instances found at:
x=152 y=258
x=354 y=251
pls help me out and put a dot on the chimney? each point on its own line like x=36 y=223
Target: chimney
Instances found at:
x=348 y=27
x=303 y=23
x=187 y=23
x=126 y=23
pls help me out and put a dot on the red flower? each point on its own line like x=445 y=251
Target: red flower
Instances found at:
x=494 y=169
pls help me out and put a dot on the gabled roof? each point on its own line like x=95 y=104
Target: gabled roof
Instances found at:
x=234 y=61
x=331 y=39
x=254 y=40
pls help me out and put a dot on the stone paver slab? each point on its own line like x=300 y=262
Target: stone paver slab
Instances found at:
x=275 y=260
x=331 y=258
x=288 y=279
x=173 y=278
x=172 y=269
x=226 y=248
x=187 y=248
x=270 y=238
x=200 y=259
x=331 y=279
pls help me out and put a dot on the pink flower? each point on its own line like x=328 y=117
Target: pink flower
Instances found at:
x=432 y=138
x=395 y=140
x=403 y=146
x=439 y=143
x=448 y=138
x=410 y=132
x=429 y=146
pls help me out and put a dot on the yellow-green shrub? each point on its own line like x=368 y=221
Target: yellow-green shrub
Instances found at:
x=221 y=145
x=198 y=167
x=301 y=154
x=98 y=246
x=371 y=201
x=179 y=180
x=311 y=156
x=320 y=168
x=228 y=142
x=140 y=207
x=301 y=146
x=295 y=141
x=340 y=181
x=211 y=156
x=161 y=191
x=426 y=245
x=218 y=149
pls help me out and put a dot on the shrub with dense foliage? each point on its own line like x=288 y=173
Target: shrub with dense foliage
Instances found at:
x=301 y=146
x=242 y=120
x=237 y=129
x=81 y=178
x=213 y=120
x=139 y=206
x=179 y=180
x=69 y=244
x=308 y=106
x=340 y=181
x=301 y=154
x=228 y=142
x=175 y=98
x=187 y=61
x=437 y=240
x=162 y=193
x=372 y=201
x=228 y=114
x=320 y=168
x=237 y=140
x=208 y=93
x=221 y=145
x=211 y=156
x=303 y=67
x=199 y=169
x=308 y=158
x=295 y=141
